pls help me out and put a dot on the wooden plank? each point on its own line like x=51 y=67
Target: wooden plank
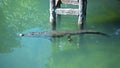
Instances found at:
x=73 y=2
x=67 y=11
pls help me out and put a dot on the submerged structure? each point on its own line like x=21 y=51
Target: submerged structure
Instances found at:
x=56 y=10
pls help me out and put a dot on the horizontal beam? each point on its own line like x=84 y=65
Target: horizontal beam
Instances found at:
x=73 y=2
x=67 y=11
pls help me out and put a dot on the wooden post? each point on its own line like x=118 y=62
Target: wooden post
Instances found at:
x=52 y=14
x=81 y=19
x=82 y=13
x=58 y=16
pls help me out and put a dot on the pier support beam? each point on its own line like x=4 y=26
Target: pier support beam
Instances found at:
x=81 y=20
x=53 y=14
x=56 y=10
x=82 y=13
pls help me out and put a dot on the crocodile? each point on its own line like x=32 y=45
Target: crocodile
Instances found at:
x=55 y=33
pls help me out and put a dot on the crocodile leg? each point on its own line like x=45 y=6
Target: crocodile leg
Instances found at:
x=69 y=37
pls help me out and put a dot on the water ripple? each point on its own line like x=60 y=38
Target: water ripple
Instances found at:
x=117 y=32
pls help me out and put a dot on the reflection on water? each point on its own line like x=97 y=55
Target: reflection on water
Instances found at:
x=117 y=32
x=21 y=16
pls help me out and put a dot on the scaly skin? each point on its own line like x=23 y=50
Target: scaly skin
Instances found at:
x=62 y=33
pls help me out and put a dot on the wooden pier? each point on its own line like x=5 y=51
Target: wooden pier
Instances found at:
x=55 y=9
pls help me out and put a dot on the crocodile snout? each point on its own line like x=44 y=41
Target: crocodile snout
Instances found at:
x=21 y=35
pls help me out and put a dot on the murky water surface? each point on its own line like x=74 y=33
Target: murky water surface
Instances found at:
x=94 y=51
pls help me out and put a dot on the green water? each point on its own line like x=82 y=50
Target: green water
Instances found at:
x=20 y=16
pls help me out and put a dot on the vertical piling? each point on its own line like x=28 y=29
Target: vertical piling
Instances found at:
x=82 y=19
x=58 y=16
x=82 y=14
x=52 y=14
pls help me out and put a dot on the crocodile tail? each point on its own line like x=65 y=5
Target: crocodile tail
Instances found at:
x=89 y=32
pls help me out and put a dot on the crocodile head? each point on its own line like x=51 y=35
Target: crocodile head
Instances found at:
x=21 y=35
